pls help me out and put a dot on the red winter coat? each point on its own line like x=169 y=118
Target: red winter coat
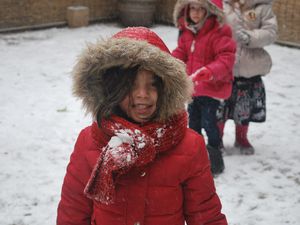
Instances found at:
x=176 y=187
x=214 y=48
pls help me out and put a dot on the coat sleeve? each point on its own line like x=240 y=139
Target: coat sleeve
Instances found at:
x=266 y=34
x=180 y=52
x=74 y=208
x=201 y=202
x=224 y=49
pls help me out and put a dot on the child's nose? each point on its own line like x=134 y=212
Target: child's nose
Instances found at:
x=141 y=92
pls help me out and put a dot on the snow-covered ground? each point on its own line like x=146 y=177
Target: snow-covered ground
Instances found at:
x=40 y=121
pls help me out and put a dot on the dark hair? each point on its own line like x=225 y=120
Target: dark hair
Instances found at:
x=117 y=82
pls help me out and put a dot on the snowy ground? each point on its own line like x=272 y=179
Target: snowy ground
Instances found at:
x=40 y=120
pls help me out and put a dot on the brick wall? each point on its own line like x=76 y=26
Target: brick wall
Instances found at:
x=20 y=13
x=288 y=17
x=164 y=11
x=15 y=14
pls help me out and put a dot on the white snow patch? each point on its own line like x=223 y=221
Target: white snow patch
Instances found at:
x=37 y=137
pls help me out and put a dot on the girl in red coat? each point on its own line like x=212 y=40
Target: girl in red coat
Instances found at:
x=207 y=48
x=138 y=163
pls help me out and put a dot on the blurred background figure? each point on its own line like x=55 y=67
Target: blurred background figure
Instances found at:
x=254 y=25
x=207 y=48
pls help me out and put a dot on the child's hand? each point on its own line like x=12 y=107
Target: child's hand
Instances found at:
x=242 y=37
x=202 y=74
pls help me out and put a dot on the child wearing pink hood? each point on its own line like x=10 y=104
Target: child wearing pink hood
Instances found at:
x=206 y=46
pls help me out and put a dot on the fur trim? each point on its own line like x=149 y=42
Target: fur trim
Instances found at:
x=182 y=4
x=127 y=52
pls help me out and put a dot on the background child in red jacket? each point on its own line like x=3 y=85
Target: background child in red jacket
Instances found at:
x=138 y=163
x=208 y=50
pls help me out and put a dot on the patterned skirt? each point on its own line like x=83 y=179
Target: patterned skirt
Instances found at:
x=247 y=102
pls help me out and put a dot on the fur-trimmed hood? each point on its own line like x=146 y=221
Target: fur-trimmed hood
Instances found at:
x=215 y=7
x=130 y=47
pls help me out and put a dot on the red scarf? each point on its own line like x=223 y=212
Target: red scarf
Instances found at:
x=129 y=145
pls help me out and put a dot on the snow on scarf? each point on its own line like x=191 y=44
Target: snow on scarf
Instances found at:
x=130 y=145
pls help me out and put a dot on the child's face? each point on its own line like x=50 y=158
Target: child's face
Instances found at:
x=140 y=103
x=197 y=12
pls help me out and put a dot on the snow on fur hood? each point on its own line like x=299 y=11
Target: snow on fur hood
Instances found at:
x=127 y=48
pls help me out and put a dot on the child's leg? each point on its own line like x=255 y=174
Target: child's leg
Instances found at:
x=209 y=121
x=194 y=109
x=241 y=139
x=249 y=106
x=222 y=116
x=221 y=126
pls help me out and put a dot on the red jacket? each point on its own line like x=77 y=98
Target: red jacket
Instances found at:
x=214 y=48
x=153 y=195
